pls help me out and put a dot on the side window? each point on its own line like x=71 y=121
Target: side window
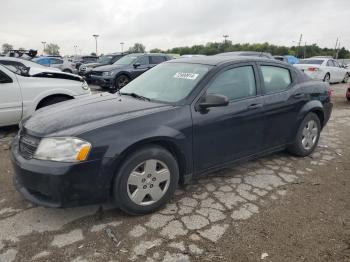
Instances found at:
x=329 y=63
x=275 y=78
x=116 y=58
x=143 y=60
x=235 y=83
x=157 y=59
x=335 y=63
x=4 y=78
x=55 y=61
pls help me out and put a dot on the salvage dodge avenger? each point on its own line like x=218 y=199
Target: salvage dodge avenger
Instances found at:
x=182 y=118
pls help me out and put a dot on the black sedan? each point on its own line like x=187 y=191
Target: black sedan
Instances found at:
x=180 y=119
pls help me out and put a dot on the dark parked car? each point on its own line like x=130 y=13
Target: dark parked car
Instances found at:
x=181 y=119
x=348 y=94
x=80 y=60
x=247 y=53
x=124 y=70
x=85 y=69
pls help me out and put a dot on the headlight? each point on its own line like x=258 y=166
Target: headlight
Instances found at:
x=109 y=73
x=63 y=149
x=85 y=86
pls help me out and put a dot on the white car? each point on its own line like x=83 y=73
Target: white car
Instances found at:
x=324 y=69
x=17 y=63
x=22 y=91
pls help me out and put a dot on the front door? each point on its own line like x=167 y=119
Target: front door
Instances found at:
x=222 y=134
x=10 y=99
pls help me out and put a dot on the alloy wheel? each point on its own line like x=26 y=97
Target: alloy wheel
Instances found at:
x=148 y=182
x=122 y=81
x=309 y=135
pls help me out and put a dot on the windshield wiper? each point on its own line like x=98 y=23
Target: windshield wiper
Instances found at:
x=135 y=96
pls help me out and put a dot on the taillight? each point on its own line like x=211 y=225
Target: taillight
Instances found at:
x=329 y=92
x=313 y=69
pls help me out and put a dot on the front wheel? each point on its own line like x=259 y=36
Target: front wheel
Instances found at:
x=121 y=81
x=307 y=136
x=146 y=180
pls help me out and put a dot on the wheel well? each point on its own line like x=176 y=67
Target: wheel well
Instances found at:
x=50 y=97
x=67 y=70
x=168 y=145
x=320 y=116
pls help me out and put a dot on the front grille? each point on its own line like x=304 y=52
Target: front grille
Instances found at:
x=28 y=145
x=96 y=73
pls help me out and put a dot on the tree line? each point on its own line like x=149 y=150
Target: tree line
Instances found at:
x=213 y=48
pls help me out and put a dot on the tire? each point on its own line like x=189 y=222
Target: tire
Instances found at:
x=346 y=78
x=327 y=78
x=146 y=191
x=52 y=100
x=121 y=81
x=307 y=136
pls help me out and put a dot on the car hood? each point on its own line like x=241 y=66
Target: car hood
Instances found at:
x=76 y=116
x=37 y=70
x=91 y=65
x=105 y=68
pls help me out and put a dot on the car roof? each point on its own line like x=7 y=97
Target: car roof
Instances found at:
x=316 y=58
x=12 y=59
x=217 y=60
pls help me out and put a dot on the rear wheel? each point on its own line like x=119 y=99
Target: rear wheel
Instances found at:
x=327 y=78
x=307 y=136
x=146 y=180
x=121 y=81
x=346 y=78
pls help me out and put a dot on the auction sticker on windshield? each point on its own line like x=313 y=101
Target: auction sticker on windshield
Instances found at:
x=189 y=76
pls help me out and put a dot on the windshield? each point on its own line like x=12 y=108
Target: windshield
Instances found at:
x=105 y=59
x=167 y=82
x=310 y=62
x=127 y=60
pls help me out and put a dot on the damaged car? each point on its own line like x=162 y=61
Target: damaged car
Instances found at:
x=23 y=90
x=179 y=120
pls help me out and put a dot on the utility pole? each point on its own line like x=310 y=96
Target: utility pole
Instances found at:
x=75 y=50
x=335 y=47
x=301 y=37
x=95 y=36
x=337 y=51
x=225 y=38
x=305 y=50
x=122 y=46
x=44 y=43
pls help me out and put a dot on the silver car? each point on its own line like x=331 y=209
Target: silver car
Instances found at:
x=56 y=62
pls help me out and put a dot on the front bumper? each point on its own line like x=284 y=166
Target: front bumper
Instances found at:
x=102 y=81
x=58 y=184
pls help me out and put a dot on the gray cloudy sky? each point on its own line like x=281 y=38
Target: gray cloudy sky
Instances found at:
x=170 y=23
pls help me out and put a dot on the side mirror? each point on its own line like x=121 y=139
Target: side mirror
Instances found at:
x=213 y=100
x=136 y=65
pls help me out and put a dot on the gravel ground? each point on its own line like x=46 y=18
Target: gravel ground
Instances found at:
x=278 y=208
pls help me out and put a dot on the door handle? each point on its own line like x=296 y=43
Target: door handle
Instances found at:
x=254 y=106
x=301 y=95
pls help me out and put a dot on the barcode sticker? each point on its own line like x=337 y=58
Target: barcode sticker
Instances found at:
x=189 y=76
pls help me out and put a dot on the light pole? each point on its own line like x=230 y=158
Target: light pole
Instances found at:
x=96 y=36
x=75 y=50
x=122 y=46
x=44 y=43
x=225 y=38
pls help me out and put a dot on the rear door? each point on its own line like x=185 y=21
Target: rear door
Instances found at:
x=340 y=72
x=10 y=98
x=282 y=103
